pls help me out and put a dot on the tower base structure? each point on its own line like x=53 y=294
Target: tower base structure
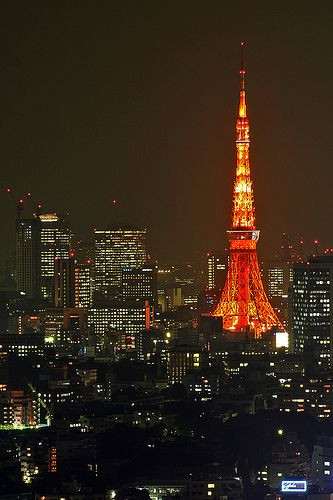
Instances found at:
x=244 y=305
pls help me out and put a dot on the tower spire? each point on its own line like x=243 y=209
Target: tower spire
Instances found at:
x=242 y=101
x=242 y=71
x=243 y=214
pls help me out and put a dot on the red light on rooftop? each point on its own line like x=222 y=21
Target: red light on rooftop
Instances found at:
x=20 y=200
x=8 y=190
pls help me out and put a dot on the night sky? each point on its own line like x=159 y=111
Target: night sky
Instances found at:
x=136 y=101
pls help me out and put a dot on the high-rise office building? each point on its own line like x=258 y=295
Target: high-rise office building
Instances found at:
x=279 y=277
x=322 y=462
x=312 y=308
x=84 y=284
x=170 y=298
x=139 y=284
x=129 y=320
x=64 y=295
x=115 y=250
x=28 y=257
x=55 y=243
x=181 y=360
x=279 y=271
x=56 y=319
x=217 y=263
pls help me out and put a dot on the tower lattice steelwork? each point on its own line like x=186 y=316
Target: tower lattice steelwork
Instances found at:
x=244 y=304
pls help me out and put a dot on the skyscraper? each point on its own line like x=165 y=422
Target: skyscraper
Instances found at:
x=217 y=269
x=312 y=308
x=244 y=305
x=115 y=250
x=84 y=284
x=55 y=243
x=64 y=282
x=279 y=277
x=139 y=284
x=28 y=257
x=126 y=319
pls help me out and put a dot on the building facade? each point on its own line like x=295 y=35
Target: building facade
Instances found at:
x=115 y=250
x=84 y=283
x=55 y=243
x=312 y=309
x=64 y=283
x=28 y=250
x=217 y=263
x=139 y=284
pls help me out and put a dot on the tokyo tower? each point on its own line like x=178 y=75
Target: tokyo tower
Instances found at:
x=244 y=305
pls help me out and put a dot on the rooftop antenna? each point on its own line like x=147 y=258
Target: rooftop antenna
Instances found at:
x=242 y=70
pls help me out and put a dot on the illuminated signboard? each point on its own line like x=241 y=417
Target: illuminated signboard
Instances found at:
x=282 y=339
x=294 y=486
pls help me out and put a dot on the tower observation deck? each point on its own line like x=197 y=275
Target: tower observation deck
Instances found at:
x=244 y=305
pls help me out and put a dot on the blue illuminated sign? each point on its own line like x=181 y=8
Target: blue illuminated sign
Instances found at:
x=291 y=486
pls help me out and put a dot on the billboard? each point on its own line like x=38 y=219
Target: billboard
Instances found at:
x=281 y=339
x=291 y=486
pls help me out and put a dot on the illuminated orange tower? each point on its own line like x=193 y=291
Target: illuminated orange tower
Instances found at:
x=244 y=305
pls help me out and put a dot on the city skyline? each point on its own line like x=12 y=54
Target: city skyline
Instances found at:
x=147 y=352
x=89 y=120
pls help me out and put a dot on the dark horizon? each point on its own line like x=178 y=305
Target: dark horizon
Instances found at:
x=137 y=103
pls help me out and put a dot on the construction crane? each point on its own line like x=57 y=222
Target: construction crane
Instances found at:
x=36 y=206
x=19 y=203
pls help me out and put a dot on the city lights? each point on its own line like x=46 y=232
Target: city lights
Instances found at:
x=140 y=357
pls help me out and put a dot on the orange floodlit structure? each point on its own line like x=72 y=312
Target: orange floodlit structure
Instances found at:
x=244 y=305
